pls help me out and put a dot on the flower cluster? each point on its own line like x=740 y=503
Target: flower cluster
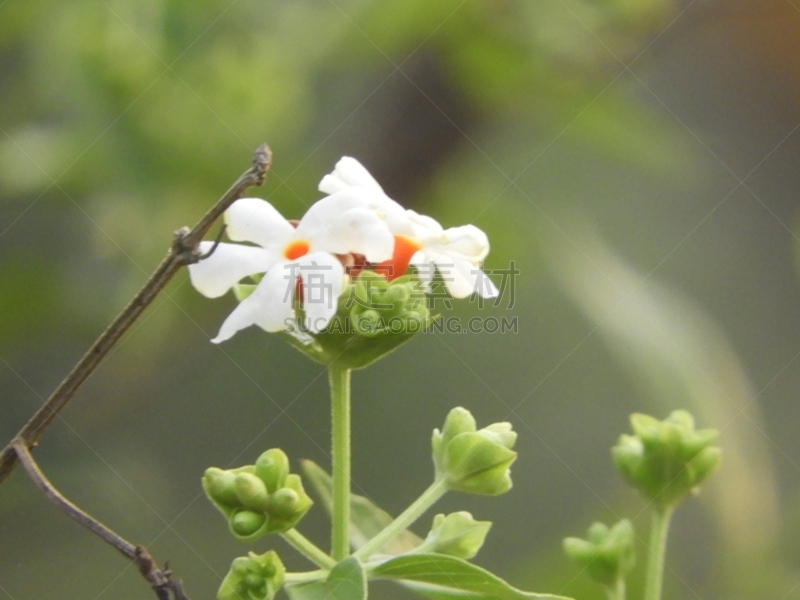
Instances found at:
x=308 y=264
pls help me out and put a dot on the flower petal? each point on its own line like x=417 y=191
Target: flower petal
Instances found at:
x=425 y=269
x=324 y=212
x=228 y=264
x=424 y=226
x=348 y=173
x=256 y=220
x=467 y=242
x=462 y=278
x=270 y=306
x=322 y=276
x=484 y=286
x=359 y=231
x=371 y=198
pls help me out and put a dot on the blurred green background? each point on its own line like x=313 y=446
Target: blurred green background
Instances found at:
x=636 y=159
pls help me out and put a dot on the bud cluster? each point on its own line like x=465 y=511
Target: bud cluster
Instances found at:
x=253 y=577
x=666 y=460
x=474 y=460
x=382 y=306
x=258 y=499
x=607 y=553
x=374 y=317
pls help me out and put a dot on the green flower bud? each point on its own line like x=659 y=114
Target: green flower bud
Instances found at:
x=255 y=577
x=420 y=312
x=258 y=499
x=703 y=464
x=666 y=460
x=287 y=505
x=220 y=486
x=361 y=293
x=478 y=465
x=381 y=308
x=251 y=491
x=458 y=420
x=375 y=282
x=456 y=534
x=246 y=523
x=607 y=554
x=473 y=461
x=382 y=302
x=283 y=503
x=368 y=323
x=399 y=295
x=501 y=433
x=272 y=467
x=240 y=566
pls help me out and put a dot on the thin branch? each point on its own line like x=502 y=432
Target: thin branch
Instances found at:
x=183 y=251
x=160 y=580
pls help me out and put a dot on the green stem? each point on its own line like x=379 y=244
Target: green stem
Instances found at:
x=340 y=458
x=436 y=490
x=308 y=549
x=616 y=591
x=657 y=554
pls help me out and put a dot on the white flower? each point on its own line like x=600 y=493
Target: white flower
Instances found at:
x=456 y=252
x=351 y=175
x=338 y=224
x=348 y=173
x=419 y=240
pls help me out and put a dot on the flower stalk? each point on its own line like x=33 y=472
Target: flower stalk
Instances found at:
x=339 y=377
x=617 y=591
x=428 y=498
x=657 y=554
x=308 y=549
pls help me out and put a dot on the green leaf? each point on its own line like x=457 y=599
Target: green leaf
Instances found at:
x=346 y=581
x=446 y=576
x=366 y=519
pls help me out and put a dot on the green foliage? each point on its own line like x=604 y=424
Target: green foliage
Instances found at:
x=438 y=575
x=434 y=567
x=346 y=581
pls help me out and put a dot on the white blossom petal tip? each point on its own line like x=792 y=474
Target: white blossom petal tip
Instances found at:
x=257 y=221
x=348 y=172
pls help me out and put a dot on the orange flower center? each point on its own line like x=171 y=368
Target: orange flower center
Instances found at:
x=404 y=249
x=295 y=250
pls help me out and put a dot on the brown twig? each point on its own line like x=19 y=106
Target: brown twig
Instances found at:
x=183 y=251
x=160 y=580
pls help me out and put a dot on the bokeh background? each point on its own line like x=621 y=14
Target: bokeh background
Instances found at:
x=637 y=160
